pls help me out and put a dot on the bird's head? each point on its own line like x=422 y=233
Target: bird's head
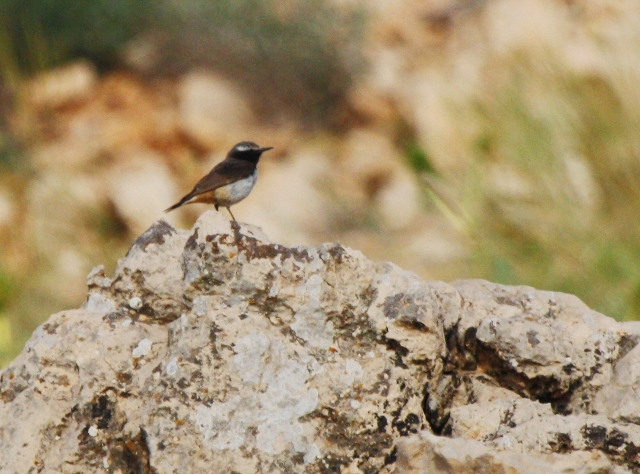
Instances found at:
x=247 y=151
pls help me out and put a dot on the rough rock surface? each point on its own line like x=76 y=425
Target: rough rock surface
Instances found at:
x=214 y=350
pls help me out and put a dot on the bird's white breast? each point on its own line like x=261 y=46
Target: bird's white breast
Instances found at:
x=236 y=192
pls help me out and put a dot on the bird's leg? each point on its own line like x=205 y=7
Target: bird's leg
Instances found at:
x=229 y=209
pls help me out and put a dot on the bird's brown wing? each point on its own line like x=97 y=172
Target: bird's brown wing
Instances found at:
x=225 y=172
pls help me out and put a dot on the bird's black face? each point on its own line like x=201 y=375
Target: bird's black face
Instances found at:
x=248 y=151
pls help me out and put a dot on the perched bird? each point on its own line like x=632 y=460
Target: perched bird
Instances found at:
x=230 y=181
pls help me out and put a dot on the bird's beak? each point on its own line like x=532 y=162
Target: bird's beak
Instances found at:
x=262 y=150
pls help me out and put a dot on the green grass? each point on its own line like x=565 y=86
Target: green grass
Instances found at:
x=7 y=342
x=571 y=224
x=42 y=34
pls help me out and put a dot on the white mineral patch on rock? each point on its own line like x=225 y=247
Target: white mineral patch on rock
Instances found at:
x=316 y=264
x=135 y=303
x=352 y=372
x=312 y=453
x=172 y=366
x=278 y=395
x=142 y=348
x=310 y=321
x=99 y=304
x=224 y=425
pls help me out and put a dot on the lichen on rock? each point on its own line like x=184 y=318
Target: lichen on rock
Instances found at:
x=215 y=350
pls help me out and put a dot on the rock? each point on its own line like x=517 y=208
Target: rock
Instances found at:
x=620 y=397
x=211 y=109
x=371 y=103
x=7 y=209
x=370 y=157
x=71 y=154
x=398 y=202
x=62 y=86
x=215 y=350
x=484 y=419
x=133 y=181
x=120 y=113
x=426 y=453
x=526 y=25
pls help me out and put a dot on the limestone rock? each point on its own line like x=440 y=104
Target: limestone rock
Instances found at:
x=212 y=108
x=619 y=399
x=398 y=202
x=63 y=85
x=215 y=350
x=7 y=209
x=133 y=181
x=426 y=453
x=369 y=159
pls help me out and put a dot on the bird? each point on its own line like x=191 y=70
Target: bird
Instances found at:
x=230 y=181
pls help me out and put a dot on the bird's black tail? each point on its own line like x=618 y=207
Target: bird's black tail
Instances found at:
x=181 y=202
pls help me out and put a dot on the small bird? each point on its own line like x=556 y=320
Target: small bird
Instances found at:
x=230 y=181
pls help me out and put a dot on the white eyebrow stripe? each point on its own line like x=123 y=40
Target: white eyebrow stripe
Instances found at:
x=243 y=148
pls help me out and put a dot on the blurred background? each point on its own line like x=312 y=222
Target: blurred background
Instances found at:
x=494 y=139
